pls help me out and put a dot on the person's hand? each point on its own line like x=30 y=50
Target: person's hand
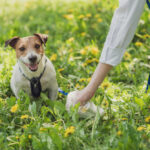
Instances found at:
x=85 y=107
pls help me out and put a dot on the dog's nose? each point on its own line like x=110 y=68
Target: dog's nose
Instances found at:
x=32 y=59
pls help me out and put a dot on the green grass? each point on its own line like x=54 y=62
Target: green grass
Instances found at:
x=76 y=30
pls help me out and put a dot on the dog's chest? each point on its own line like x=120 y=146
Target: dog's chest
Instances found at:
x=25 y=84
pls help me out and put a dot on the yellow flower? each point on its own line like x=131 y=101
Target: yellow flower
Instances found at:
x=147 y=36
x=77 y=85
x=69 y=130
x=14 y=108
x=88 y=79
x=138 y=44
x=94 y=50
x=105 y=85
x=127 y=55
x=70 y=10
x=124 y=119
x=53 y=57
x=69 y=16
x=92 y=60
x=25 y=126
x=61 y=69
x=81 y=17
x=17 y=137
x=88 y=15
x=147 y=119
x=24 y=117
x=42 y=129
x=119 y=133
x=29 y=136
x=99 y=20
x=82 y=51
x=141 y=128
x=70 y=39
x=96 y=16
x=105 y=103
x=83 y=34
x=82 y=80
x=46 y=31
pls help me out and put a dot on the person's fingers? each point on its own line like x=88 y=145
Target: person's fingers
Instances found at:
x=71 y=99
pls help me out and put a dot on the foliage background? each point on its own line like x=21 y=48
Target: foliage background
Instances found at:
x=77 y=30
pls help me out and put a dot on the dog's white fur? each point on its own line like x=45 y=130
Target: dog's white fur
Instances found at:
x=48 y=79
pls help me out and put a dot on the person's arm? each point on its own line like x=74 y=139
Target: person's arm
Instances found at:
x=121 y=32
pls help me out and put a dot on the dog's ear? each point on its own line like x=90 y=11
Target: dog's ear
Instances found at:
x=12 y=42
x=42 y=37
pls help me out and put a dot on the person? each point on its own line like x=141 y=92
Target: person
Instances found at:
x=121 y=32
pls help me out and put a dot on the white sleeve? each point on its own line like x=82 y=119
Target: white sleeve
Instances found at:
x=121 y=31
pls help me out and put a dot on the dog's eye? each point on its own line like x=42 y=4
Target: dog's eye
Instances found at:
x=37 y=46
x=22 y=48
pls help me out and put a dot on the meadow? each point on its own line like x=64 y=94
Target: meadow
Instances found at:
x=77 y=30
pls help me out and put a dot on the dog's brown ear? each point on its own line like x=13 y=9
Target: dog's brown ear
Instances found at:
x=12 y=42
x=42 y=37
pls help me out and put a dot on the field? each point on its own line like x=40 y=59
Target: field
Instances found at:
x=77 y=30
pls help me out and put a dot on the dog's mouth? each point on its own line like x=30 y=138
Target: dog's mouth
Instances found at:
x=32 y=67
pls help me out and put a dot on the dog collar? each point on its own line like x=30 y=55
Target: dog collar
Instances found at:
x=35 y=83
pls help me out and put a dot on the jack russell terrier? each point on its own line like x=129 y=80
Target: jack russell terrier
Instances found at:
x=33 y=73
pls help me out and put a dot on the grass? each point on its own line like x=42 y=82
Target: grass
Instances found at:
x=77 y=31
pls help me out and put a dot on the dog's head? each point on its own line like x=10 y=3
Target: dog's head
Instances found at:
x=29 y=50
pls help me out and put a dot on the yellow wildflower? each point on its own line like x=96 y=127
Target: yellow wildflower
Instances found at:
x=94 y=50
x=42 y=129
x=88 y=79
x=46 y=31
x=53 y=57
x=81 y=17
x=69 y=130
x=147 y=119
x=119 y=133
x=82 y=80
x=105 y=103
x=70 y=10
x=141 y=128
x=29 y=136
x=82 y=51
x=14 y=108
x=138 y=44
x=61 y=69
x=99 y=20
x=127 y=55
x=77 y=85
x=147 y=36
x=69 y=16
x=96 y=16
x=83 y=34
x=105 y=85
x=124 y=119
x=88 y=15
x=24 y=117
x=25 y=126
x=17 y=137
x=70 y=39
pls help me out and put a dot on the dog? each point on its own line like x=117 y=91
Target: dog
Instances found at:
x=34 y=72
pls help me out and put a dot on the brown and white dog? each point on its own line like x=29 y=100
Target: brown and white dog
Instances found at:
x=33 y=72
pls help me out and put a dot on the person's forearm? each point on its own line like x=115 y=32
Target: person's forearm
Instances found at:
x=98 y=77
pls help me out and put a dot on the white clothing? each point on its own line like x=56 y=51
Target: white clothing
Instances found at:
x=122 y=29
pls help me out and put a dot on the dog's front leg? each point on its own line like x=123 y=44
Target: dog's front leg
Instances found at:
x=52 y=92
